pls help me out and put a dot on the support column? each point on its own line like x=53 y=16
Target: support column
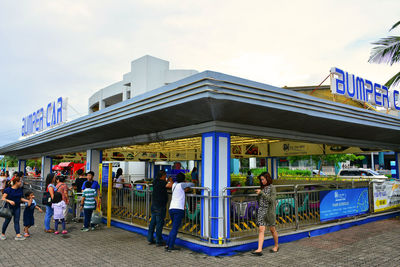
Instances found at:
x=396 y=170
x=47 y=165
x=216 y=176
x=252 y=163
x=235 y=166
x=381 y=160
x=21 y=166
x=93 y=159
x=271 y=164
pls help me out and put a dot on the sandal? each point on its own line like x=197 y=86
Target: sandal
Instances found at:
x=49 y=231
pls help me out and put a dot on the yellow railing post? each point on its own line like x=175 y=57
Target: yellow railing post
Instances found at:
x=101 y=186
x=109 y=195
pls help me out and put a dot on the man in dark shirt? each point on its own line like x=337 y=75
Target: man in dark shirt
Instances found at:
x=80 y=180
x=158 y=208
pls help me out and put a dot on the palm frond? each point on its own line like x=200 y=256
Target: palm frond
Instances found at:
x=386 y=51
x=395 y=80
x=395 y=25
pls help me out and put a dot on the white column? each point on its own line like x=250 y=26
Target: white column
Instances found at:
x=93 y=160
x=46 y=166
x=252 y=163
x=102 y=104
x=216 y=176
x=22 y=166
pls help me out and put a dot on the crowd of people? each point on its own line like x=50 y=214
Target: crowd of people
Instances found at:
x=55 y=200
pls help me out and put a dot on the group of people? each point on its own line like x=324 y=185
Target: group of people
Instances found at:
x=266 y=197
x=159 y=204
x=56 y=200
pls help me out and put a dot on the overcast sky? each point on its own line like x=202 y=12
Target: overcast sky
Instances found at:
x=74 y=48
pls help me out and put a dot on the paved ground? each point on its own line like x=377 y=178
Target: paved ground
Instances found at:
x=374 y=244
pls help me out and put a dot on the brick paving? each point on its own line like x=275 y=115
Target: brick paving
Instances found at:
x=374 y=244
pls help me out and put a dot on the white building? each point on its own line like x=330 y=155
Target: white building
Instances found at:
x=147 y=73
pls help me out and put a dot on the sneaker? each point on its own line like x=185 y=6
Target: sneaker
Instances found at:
x=161 y=244
x=64 y=232
x=85 y=229
x=92 y=228
x=56 y=232
x=49 y=231
x=19 y=238
x=27 y=235
x=3 y=237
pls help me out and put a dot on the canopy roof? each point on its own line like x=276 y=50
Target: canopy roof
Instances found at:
x=211 y=101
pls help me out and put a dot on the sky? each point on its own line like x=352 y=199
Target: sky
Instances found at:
x=74 y=48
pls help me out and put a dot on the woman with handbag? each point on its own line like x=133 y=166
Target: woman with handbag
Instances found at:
x=14 y=196
x=266 y=212
x=49 y=195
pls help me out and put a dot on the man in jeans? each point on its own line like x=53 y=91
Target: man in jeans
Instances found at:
x=158 y=208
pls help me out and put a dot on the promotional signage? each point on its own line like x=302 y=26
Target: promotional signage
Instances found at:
x=343 y=203
x=363 y=90
x=386 y=195
x=54 y=114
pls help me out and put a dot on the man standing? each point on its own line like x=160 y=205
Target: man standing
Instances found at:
x=158 y=208
x=94 y=185
x=80 y=180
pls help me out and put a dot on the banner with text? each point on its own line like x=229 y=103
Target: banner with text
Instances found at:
x=386 y=195
x=343 y=203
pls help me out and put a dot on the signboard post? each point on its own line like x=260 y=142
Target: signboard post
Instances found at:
x=106 y=174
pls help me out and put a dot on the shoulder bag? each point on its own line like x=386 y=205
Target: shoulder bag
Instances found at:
x=5 y=211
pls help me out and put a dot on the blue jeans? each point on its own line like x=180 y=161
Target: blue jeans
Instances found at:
x=47 y=217
x=157 y=222
x=87 y=217
x=16 y=213
x=176 y=217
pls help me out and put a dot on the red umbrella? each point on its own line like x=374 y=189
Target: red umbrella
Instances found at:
x=57 y=168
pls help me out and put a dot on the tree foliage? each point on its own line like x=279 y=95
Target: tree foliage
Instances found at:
x=387 y=50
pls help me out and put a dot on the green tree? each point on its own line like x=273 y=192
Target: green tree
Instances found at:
x=387 y=51
x=324 y=159
x=11 y=161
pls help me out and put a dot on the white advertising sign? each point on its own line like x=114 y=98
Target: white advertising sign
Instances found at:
x=386 y=195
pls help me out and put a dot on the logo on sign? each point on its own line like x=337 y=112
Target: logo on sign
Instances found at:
x=55 y=113
x=340 y=196
x=363 y=90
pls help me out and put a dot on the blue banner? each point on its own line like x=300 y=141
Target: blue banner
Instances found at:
x=104 y=172
x=343 y=203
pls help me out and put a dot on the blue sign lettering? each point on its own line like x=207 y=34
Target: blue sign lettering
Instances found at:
x=39 y=120
x=362 y=90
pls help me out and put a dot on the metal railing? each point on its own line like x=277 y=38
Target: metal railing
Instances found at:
x=297 y=207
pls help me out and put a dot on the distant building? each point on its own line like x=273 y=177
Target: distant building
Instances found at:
x=147 y=73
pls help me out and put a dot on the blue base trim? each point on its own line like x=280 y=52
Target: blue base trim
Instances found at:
x=229 y=251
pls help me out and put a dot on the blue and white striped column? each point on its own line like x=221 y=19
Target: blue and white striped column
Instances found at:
x=22 y=166
x=47 y=165
x=93 y=160
x=216 y=176
x=271 y=164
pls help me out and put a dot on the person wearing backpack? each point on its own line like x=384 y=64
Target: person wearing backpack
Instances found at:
x=50 y=189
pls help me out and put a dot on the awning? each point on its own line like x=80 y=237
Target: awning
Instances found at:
x=66 y=164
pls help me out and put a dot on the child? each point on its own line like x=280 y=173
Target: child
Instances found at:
x=30 y=207
x=88 y=203
x=59 y=207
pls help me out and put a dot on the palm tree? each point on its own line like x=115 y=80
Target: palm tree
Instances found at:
x=387 y=51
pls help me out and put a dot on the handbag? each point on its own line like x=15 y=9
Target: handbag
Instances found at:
x=5 y=211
